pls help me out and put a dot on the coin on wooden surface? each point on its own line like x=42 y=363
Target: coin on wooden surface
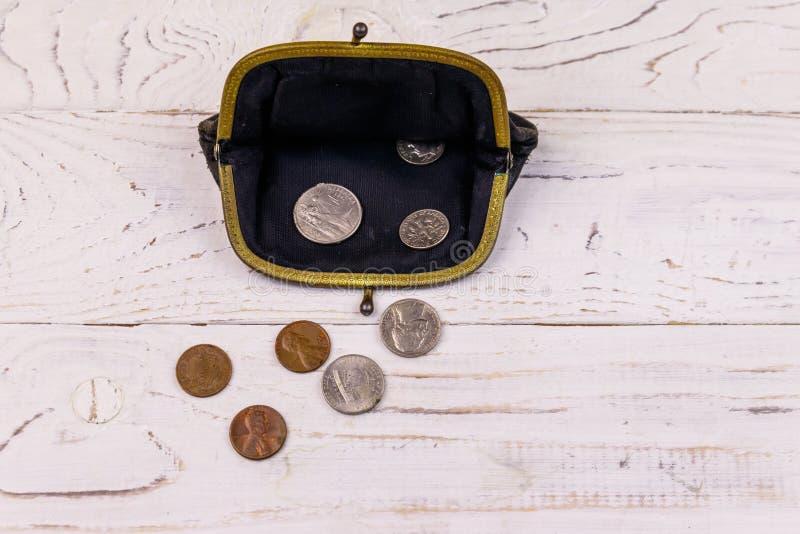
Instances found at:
x=410 y=328
x=419 y=152
x=424 y=229
x=203 y=370
x=302 y=346
x=257 y=432
x=353 y=384
x=327 y=214
x=98 y=400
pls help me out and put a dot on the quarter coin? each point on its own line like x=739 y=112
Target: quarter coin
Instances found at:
x=353 y=384
x=203 y=370
x=410 y=328
x=419 y=152
x=327 y=214
x=257 y=432
x=424 y=229
x=302 y=346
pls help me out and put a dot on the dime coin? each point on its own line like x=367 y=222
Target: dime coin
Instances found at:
x=419 y=152
x=302 y=346
x=257 y=432
x=410 y=328
x=424 y=229
x=353 y=384
x=327 y=214
x=203 y=370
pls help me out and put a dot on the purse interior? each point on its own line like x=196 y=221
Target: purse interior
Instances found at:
x=303 y=121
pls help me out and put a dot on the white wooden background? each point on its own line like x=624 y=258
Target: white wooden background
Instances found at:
x=627 y=361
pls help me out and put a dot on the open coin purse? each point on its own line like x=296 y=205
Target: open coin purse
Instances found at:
x=299 y=114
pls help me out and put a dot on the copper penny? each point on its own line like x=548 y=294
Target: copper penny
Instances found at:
x=203 y=370
x=257 y=432
x=302 y=346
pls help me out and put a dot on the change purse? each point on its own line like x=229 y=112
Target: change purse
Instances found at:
x=298 y=114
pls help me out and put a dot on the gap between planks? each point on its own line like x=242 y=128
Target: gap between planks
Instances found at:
x=375 y=323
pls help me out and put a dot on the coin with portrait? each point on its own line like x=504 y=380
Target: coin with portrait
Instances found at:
x=203 y=370
x=353 y=384
x=424 y=229
x=419 y=152
x=410 y=327
x=327 y=214
x=302 y=346
x=257 y=432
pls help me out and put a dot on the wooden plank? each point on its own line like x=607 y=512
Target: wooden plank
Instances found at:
x=625 y=215
x=586 y=428
x=622 y=55
x=619 y=218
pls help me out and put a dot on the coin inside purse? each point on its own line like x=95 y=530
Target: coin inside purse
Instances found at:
x=296 y=117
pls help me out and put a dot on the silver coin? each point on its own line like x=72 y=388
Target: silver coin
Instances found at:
x=353 y=384
x=424 y=229
x=419 y=152
x=327 y=214
x=410 y=328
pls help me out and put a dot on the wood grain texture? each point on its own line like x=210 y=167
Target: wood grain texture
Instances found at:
x=656 y=427
x=621 y=54
x=618 y=218
x=665 y=190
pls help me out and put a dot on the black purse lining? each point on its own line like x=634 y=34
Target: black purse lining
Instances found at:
x=302 y=121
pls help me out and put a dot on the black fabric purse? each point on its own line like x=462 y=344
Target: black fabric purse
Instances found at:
x=298 y=114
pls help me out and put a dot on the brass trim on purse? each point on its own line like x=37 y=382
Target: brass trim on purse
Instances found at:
x=359 y=49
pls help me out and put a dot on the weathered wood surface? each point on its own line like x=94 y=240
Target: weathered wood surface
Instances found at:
x=647 y=210
x=654 y=427
x=619 y=218
x=619 y=54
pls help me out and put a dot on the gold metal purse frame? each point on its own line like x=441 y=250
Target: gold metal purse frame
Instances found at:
x=364 y=50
